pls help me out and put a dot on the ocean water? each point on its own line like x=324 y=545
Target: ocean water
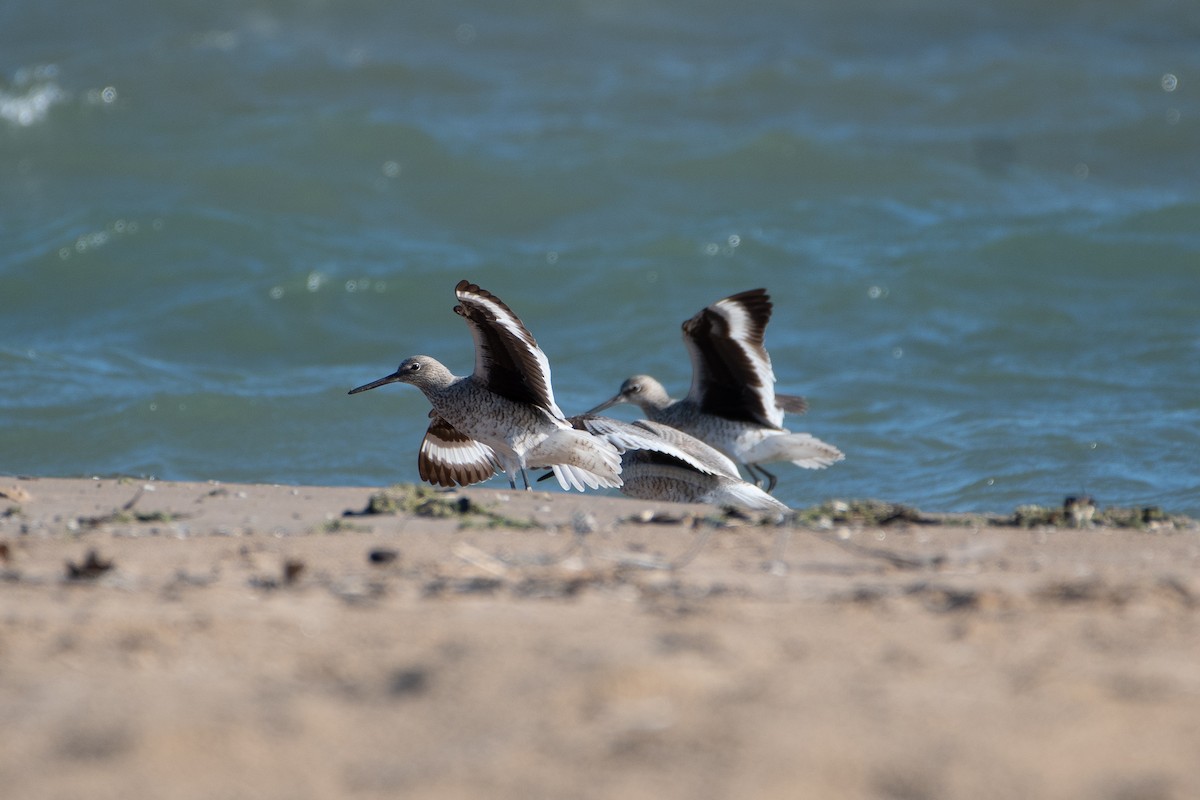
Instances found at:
x=980 y=224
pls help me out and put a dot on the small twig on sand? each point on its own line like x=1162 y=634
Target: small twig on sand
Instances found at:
x=133 y=500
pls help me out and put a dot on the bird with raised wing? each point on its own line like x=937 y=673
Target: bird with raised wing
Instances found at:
x=659 y=462
x=732 y=404
x=501 y=417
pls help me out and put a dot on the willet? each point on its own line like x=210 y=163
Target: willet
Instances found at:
x=659 y=462
x=732 y=404
x=502 y=416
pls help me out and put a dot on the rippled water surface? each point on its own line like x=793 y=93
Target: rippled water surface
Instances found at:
x=980 y=224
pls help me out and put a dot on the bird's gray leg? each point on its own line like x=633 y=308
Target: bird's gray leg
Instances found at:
x=753 y=473
x=512 y=481
x=524 y=478
x=758 y=481
x=770 y=480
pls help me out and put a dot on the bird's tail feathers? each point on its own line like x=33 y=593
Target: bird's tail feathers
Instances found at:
x=747 y=497
x=802 y=449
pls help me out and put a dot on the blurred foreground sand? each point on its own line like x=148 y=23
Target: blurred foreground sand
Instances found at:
x=244 y=641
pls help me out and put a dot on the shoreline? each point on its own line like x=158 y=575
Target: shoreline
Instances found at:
x=209 y=639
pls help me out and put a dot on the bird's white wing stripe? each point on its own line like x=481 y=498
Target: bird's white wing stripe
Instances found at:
x=516 y=330
x=448 y=461
x=459 y=453
x=740 y=331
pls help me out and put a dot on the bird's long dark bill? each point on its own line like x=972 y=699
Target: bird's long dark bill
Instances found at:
x=612 y=401
x=395 y=376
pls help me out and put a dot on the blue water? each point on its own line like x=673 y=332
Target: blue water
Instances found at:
x=980 y=224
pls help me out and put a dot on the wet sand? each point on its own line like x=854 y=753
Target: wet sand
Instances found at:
x=202 y=640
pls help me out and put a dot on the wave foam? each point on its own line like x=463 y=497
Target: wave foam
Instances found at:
x=35 y=92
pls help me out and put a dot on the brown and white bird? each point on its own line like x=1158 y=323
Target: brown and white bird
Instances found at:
x=732 y=404
x=501 y=417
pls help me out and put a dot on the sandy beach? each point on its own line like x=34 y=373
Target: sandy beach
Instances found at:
x=207 y=640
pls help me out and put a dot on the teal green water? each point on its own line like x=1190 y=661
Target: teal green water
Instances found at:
x=980 y=224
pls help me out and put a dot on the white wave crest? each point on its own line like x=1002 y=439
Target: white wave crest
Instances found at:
x=33 y=93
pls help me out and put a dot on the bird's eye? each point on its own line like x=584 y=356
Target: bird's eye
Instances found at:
x=415 y=366
x=637 y=387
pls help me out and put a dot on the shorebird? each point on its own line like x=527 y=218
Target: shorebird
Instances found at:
x=659 y=462
x=732 y=404
x=502 y=416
